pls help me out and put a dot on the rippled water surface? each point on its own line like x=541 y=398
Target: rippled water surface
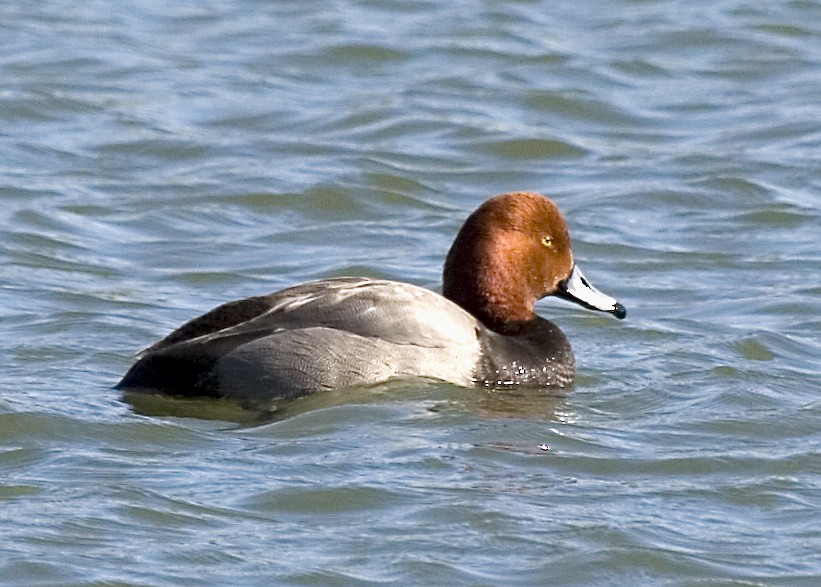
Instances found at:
x=159 y=158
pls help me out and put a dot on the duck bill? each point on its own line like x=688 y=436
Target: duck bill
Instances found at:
x=577 y=289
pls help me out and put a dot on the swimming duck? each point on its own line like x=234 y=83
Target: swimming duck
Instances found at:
x=333 y=333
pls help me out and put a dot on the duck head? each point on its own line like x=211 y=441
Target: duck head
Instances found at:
x=511 y=251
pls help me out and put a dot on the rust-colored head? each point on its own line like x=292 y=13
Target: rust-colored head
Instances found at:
x=513 y=250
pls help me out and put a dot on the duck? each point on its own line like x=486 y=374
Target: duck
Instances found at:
x=328 y=334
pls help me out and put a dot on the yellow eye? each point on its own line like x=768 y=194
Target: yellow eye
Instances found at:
x=547 y=241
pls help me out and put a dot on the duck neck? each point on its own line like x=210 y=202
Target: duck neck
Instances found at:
x=494 y=292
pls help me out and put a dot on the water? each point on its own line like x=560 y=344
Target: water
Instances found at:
x=160 y=158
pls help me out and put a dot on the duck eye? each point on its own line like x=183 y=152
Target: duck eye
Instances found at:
x=547 y=241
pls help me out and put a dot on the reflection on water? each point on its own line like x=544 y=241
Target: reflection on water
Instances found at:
x=516 y=403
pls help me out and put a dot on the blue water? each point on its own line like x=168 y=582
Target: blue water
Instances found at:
x=157 y=159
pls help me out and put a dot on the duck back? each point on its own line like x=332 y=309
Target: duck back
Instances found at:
x=318 y=335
